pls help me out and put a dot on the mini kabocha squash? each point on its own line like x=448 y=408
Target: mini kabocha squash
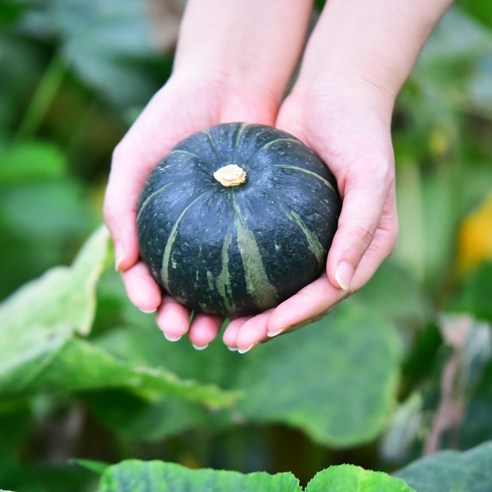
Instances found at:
x=237 y=218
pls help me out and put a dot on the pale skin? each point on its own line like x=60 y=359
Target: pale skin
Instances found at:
x=233 y=63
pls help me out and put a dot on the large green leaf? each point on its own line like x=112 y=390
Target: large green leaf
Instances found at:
x=157 y=476
x=345 y=478
x=386 y=289
x=477 y=422
x=64 y=295
x=134 y=417
x=40 y=318
x=40 y=347
x=105 y=42
x=470 y=471
x=44 y=213
x=30 y=162
x=336 y=379
x=83 y=366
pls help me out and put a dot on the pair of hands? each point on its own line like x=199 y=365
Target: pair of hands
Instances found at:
x=347 y=124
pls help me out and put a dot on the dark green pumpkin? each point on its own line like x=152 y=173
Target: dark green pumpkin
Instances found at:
x=245 y=245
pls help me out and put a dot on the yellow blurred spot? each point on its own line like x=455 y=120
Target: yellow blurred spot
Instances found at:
x=98 y=190
x=439 y=142
x=475 y=236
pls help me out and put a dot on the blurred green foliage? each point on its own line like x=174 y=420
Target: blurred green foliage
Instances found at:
x=401 y=369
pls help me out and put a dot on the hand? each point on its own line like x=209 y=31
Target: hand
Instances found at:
x=233 y=62
x=166 y=120
x=355 y=62
x=350 y=130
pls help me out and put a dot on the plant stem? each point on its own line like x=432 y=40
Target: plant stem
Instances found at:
x=42 y=98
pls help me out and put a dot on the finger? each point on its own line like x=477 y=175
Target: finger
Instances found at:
x=204 y=329
x=308 y=304
x=252 y=332
x=382 y=245
x=173 y=319
x=141 y=288
x=146 y=143
x=231 y=331
x=126 y=180
x=364 y=193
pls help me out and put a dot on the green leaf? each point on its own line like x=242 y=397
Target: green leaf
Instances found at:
x=470 y=471
x=477 y=422
x=81 y=366
x=40 y=318
x=155 y=476
x=390 y=284
x=465 y=60
x=63 y=296
x=31 y=161
x=475 y=40
x=405 y=427
x=345 y=478
x=106 y=42
x=50 y=211
x=336 y=379
x=475 y=293
x=25 y=354
x=40 y=349
x=131 y=416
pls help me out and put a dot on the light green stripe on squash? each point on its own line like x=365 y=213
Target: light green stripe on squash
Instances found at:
x=257 y=283
x=280 y=139
x=170 y=243
x=224 y=279
x=307 y=171
x=242 y=129
x=150 y=198
x=313 y=243
x=186 y=152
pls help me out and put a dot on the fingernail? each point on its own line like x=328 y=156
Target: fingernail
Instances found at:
x=172 y=339
x=232 y=349
x=243 y=351
x=272 y=334
x=119 y=255
x=199 y=347
x=148 y=311
x=344 y=274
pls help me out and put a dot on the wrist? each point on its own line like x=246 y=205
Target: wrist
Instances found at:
x=341 y=91
x=254 y=43
x=370 y=47
x=226 y=84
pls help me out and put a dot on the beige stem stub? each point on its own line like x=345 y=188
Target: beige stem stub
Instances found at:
x=230 y=175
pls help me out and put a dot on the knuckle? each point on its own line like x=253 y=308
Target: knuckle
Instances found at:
x=364 y=234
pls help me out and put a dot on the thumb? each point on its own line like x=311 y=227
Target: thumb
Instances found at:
x=364 y=192
x=120 y=202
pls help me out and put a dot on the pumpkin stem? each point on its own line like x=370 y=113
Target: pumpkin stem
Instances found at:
x=230 y=175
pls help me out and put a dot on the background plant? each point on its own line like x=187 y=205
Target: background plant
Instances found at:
x=401 y=369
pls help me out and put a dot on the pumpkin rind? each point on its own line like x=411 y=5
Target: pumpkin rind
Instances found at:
x=241 y=249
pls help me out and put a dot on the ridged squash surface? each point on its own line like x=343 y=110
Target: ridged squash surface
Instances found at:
x=241 y=248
